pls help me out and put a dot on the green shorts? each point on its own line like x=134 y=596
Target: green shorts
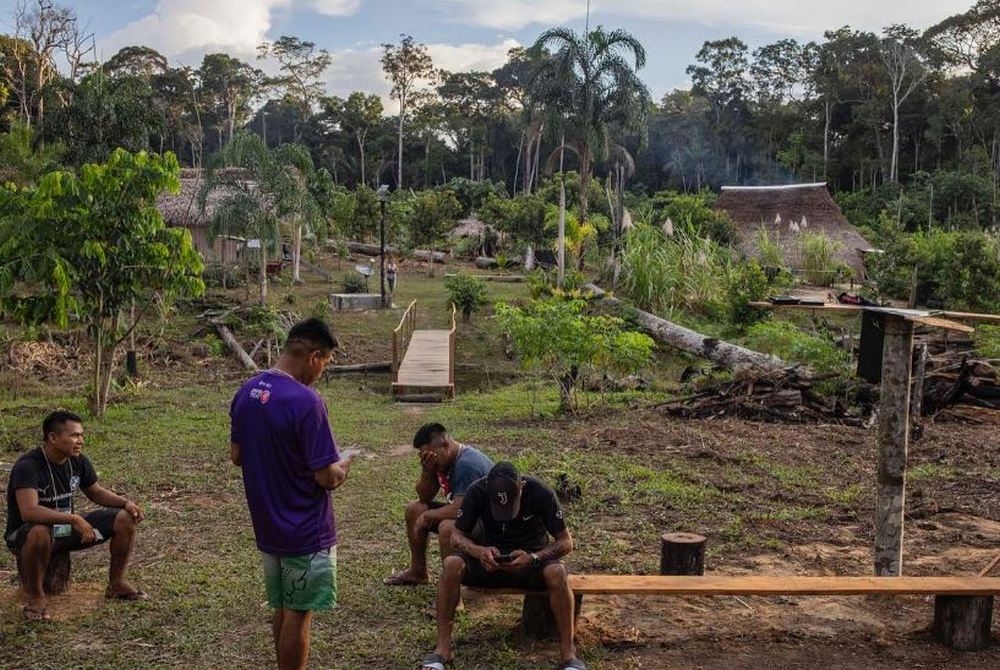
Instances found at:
x=305 y=583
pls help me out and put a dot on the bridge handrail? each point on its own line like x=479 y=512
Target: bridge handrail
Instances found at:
x=451 y=350
x=401 y=337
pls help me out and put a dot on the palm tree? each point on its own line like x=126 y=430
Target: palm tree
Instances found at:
x=598 y=76
x=261 y=190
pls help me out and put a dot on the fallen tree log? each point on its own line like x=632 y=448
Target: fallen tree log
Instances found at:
x=234 y=346
x=487 y=262
x=378 y=366
x=723 y=354
x=510 y=279
x=419 y=254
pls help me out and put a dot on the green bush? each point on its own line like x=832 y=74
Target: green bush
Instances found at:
x=769 y=251
x=956 y=270
x=467 y=292
x=787 y=342
x=556 y=339
x=471 y=195
x=432 y=215
x=354 y=283
x=748 y=283
x=692 y=214
x=987 y=341
x=819 y=258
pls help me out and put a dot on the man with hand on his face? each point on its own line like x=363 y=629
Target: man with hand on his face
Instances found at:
x=523 y=538
x=41 y=512
x=446 y=466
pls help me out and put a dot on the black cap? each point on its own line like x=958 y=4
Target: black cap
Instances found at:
x=503 y=485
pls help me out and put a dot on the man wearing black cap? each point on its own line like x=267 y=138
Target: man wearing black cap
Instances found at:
x=523 y=538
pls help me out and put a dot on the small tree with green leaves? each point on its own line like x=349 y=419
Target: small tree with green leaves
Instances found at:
x=468 y=293
x=556 y=339
x=88 y=248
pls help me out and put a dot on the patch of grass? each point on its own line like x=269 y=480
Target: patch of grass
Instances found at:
x=849 y=495
x=930 y=471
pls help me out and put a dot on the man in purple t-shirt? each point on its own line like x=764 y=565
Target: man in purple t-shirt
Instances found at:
x=281 y=438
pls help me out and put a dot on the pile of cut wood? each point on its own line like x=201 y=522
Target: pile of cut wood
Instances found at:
x=959 y=385
x=785 y=398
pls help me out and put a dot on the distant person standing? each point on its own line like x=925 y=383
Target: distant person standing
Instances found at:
x=281 y=437
x=390 y=277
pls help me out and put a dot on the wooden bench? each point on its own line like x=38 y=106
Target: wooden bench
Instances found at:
x=963 y=606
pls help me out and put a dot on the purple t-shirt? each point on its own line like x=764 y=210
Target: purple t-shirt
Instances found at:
x=284 y=435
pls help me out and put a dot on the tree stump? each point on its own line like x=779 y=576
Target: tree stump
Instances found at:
x=57 y=574
x=963 y=622
x=537 y=620
x=682 y=554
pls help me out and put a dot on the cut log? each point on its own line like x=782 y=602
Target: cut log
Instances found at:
x=58 y=574
x=485 y=262
x=723 y=354
x=963 y=622
x=378 y=366
x=537 y=620
x=682 y=554
x=235 y=347
x=430 y=256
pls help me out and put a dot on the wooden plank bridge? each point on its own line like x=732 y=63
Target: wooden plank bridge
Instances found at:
x=423 y=361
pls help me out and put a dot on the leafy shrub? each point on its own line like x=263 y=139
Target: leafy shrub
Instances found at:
x=354 y=283
x=467 y=248
x=471 y=195
x=819 y=258
x=433 y=213
x=467 y=292
x=748 y=283
x=692 y=215
x=522 y=217
x=957 y=270
x=787 y=342
x=556 y=339
x=215 y=346
x=320 y=310
x=213 y=275
x=769 y=251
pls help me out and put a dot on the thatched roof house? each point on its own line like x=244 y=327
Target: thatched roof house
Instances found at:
x=184 y=210
x=786 y=212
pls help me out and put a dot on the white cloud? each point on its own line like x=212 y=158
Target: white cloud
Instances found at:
x=190 y=28
x=361 y=70
x=335 y=7
x=799 y=17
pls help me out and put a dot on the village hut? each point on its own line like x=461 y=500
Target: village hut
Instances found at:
x=788 y=212
x=183 y=210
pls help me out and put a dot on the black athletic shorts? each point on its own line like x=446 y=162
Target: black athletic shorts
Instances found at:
x=103 y=521
x=529 y=579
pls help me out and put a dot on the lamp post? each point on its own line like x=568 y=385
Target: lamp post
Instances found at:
x=383 y=196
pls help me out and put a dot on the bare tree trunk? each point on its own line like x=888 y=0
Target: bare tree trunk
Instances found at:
x=361 y=151
x=399 y=156
x=893 y=177
x=297 y=254
x=561 y=275
x=263 y=274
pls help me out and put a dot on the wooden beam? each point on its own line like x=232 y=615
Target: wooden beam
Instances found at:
x=893 y=439
x=789 y=585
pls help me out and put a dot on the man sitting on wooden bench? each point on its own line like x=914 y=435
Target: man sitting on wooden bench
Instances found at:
x=446 y=466
x=41 y=517
x=518 y=515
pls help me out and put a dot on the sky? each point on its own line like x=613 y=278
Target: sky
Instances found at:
x=472 y=34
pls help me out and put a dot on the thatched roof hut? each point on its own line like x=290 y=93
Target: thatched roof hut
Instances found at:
x=786 y=212
x=183 y=209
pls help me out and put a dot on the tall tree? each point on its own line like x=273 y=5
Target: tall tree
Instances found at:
x=905 y=71
x=229 y=85
x=406 y=64
x=605 y=89
x=359 y=115
x=302 y=66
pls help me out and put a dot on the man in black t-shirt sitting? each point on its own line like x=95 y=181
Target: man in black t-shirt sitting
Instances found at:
x=41 y=515
x=523 y=538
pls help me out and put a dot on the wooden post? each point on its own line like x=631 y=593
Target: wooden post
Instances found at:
x=682 y=554
x=57 y=573
x=537 y=620
x=893 y=436
x=963 y=622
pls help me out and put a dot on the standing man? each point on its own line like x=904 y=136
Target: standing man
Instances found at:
x=519 y=516
x=447 y=466
x=41 y=512
x=281 y=438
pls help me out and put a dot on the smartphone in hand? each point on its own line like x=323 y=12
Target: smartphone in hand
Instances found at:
x=503 y=558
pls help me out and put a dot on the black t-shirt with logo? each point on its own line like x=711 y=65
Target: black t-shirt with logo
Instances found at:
x=539 y=517
x=31 y=471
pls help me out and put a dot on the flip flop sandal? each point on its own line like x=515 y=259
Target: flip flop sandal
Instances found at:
x=572 y=664
x=35 y=613
x=435 y=662
x=130 y=596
